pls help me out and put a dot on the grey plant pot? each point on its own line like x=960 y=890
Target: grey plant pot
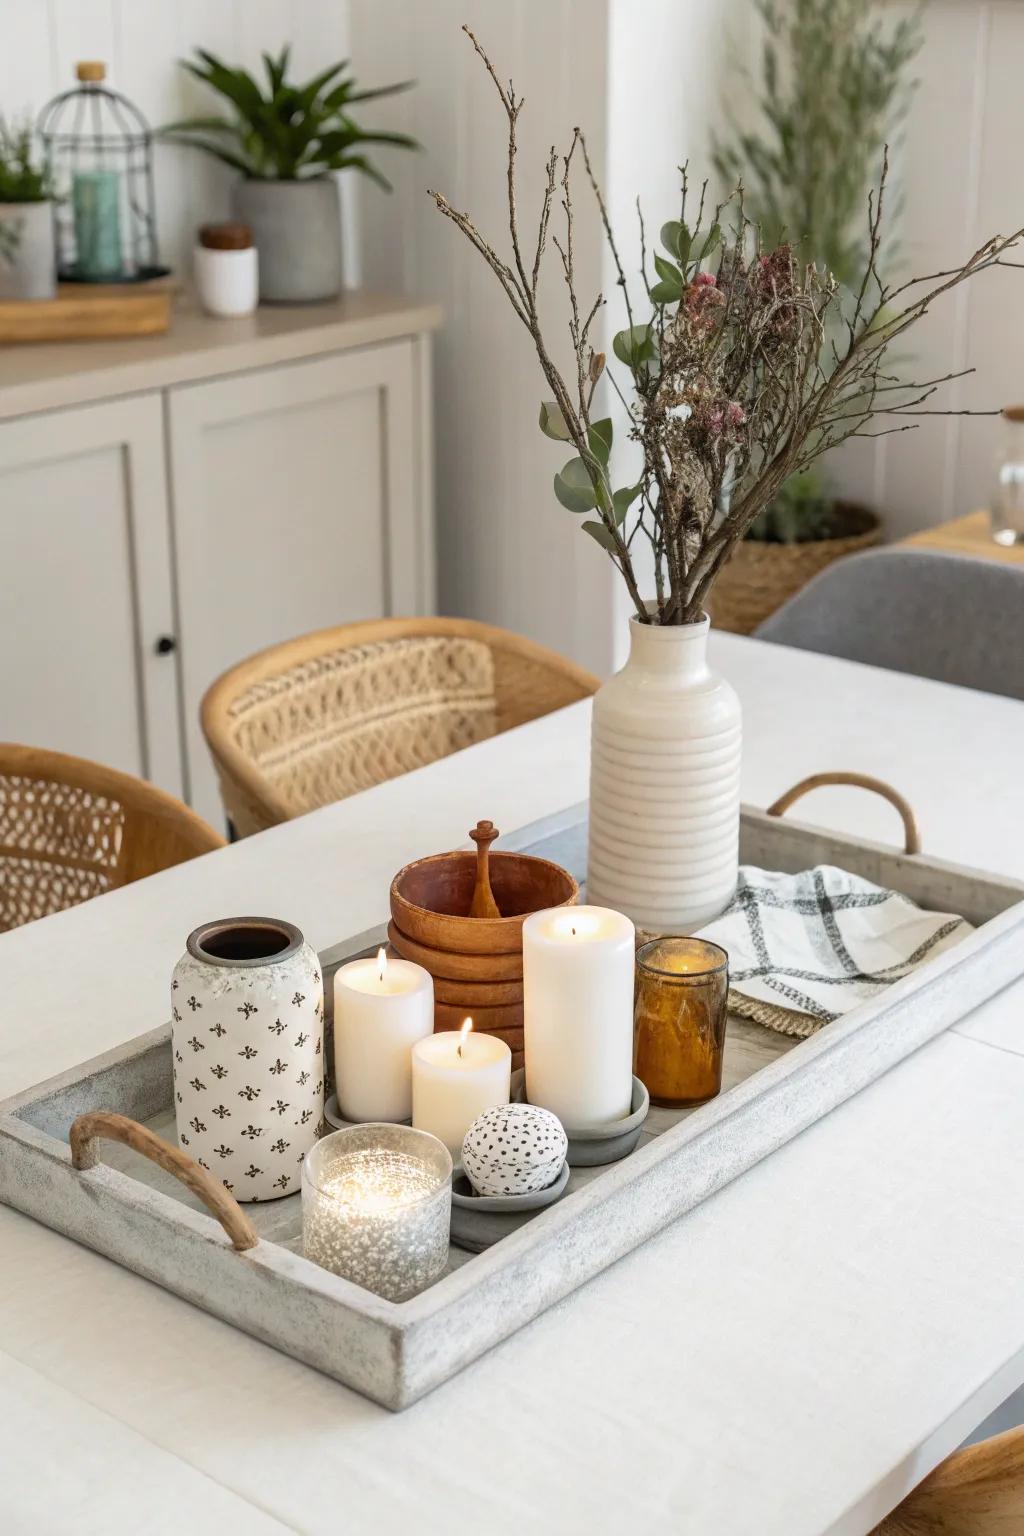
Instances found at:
x=296 y=226
x=28 y=269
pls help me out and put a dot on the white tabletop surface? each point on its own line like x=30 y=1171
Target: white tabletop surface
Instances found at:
x=786 y=1360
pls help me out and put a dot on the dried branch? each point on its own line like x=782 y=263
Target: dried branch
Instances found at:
x=740 y=377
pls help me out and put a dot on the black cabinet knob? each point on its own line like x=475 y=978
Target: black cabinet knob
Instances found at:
x=165 y=645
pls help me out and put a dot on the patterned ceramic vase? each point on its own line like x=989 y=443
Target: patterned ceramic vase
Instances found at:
x=665 y=783
x=247 y=1002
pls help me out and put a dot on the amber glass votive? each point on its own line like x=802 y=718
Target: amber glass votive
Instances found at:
x=679 y=1035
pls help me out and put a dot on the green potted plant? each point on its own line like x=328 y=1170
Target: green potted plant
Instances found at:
x=27 y=264
x=287 y=140
x=833 y=88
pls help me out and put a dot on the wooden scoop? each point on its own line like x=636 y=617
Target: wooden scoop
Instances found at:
x=483 y=903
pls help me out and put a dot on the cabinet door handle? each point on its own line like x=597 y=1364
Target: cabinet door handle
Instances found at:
x=165 y=645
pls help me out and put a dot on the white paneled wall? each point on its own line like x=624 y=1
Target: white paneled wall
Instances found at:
x=508 y=553
x=683 y=76
x=962 y=178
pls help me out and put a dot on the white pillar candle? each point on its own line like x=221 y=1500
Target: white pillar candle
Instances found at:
x=578 y=965
x=382 y=1007
x=455 y=1077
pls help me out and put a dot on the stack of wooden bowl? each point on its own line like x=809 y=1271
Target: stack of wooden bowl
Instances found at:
x=476 y=961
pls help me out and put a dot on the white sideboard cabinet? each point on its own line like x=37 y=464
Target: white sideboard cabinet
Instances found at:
x=169 y=506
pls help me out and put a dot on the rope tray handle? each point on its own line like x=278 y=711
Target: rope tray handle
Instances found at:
x=911 y=835
x=89 y=1129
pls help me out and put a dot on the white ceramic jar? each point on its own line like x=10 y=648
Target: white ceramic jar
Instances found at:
x=226 y=270
x=247 y=1008
x=665 y=783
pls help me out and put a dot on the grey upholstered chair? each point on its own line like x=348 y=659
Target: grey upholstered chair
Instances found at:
x=951 y=617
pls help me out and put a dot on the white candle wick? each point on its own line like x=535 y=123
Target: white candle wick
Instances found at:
x=463 y=1032
x=382 y=964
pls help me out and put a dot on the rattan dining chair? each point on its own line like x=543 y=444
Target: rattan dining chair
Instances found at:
x=324 y=716
x=978 y=1491
x=71 y=829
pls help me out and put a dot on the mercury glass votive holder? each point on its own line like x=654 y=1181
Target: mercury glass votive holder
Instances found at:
x=679 y=1019
x=376 y=1207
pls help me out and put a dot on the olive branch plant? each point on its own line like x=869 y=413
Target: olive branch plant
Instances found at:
x=745 y=364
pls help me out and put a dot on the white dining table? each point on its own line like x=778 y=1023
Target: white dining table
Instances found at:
x=786 y=1360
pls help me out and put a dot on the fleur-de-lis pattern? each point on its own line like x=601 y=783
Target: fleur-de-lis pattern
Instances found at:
x=279 y=1091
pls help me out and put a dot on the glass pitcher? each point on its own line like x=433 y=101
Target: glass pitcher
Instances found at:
x=1008 y=500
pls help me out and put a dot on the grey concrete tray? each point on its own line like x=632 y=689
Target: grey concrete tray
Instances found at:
x=773 y=1089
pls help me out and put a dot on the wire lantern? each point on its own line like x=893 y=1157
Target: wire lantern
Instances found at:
x=99 y=150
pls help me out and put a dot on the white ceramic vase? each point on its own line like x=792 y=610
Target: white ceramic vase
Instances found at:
x=247 y=1001
x=665 y=783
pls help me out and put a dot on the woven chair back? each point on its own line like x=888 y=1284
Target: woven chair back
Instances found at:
x=321 y=718
x=71 y=829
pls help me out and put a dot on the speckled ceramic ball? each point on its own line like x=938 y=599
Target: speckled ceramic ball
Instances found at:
x=515 y=1149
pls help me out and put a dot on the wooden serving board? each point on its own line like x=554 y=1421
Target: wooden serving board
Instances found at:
x=774 y=1088
x=89 y=312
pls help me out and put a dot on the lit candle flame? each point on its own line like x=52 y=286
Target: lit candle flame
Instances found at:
x=382 y=963
x=467 y=1025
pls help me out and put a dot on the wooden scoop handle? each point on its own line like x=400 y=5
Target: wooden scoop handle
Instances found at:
x=483 y=903
x=87 y=1130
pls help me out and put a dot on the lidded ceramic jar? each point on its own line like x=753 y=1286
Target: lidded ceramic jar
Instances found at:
x=247 y=1003
x=226 y=270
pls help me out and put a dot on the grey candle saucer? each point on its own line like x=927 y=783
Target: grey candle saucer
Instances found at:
x=333 y=1116
x=591 y=1146
x=480 y=1220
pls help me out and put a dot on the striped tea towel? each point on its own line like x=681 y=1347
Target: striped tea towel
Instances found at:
x=804 y=949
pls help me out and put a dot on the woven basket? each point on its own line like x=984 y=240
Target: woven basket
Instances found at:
x=760 y=577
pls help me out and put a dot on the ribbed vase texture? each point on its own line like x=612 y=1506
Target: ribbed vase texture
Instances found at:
x=665 y=783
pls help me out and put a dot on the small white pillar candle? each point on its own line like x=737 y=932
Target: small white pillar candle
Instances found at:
x=455 y=1077
x=578 y=967
x=382 y=1007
